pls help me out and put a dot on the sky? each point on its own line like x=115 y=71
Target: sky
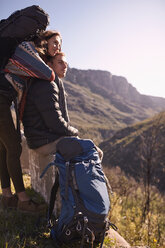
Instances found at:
x=124 y=37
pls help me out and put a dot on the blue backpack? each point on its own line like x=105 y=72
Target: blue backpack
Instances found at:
x=84 y=194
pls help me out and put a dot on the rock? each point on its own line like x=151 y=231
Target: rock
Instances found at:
x=32 y=163
x=37 y=165
x=117 y=240
x=25 y=162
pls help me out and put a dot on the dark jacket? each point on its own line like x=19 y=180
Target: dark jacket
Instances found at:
x=6 y=88
x=45 y=116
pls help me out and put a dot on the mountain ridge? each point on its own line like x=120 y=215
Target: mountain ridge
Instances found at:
x=100 y=103
x=115 y=84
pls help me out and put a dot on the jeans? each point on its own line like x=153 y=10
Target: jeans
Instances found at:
x=10 y=148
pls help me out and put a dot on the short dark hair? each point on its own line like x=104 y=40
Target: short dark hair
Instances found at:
x=52 y=58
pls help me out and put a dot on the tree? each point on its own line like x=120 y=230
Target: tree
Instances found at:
x=149 y=152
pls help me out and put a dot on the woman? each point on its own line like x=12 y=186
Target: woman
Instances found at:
x=27 y=62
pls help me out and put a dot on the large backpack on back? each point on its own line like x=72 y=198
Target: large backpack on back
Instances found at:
x=22 y=25
x=84 y=194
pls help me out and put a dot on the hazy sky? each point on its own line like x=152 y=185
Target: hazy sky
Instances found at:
x=125 y=37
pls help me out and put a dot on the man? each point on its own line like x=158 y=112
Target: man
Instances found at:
x=59 y=65
x=45 y=116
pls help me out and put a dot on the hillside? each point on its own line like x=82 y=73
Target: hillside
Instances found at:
x=100 y=103
x=139 y=151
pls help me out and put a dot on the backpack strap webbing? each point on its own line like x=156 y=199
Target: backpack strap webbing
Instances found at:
x=53 y=196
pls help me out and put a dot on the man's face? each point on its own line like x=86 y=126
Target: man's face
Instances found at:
x=59 y=65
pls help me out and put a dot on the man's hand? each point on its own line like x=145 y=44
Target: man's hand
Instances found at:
x=100 y=152
x=74 y=131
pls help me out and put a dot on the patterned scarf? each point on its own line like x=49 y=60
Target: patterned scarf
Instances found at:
x=24 y=64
